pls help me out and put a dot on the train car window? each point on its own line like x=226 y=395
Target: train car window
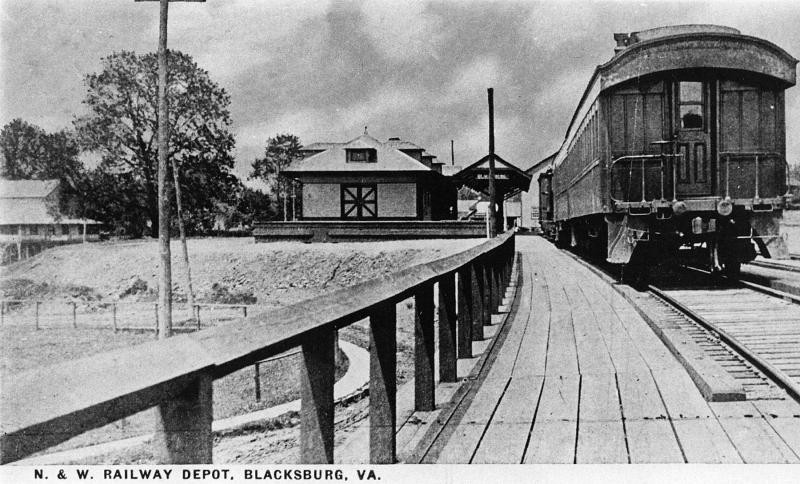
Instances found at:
x=690 y=99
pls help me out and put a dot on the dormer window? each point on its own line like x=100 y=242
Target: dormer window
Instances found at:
x=361 y=156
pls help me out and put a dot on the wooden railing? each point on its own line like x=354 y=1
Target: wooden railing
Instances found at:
x=44 y=407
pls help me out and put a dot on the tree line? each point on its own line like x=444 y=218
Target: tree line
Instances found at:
x=118 y=134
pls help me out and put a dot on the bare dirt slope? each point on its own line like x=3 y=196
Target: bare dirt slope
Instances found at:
x=277 y=274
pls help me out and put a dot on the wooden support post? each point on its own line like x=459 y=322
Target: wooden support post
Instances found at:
x=197 y=308
x=37 y=314
x=155 y=310
x=2 y=312
x=494 y=281
x=244 y=311
x=257 y=381
x=486 y=294
x=114 y=316
x=479 y=288
x=317 y=369
x=447 y=329
x=382 y=383
x=424 y=384
x=74 y=315
x=465 y=313
x=183 y=425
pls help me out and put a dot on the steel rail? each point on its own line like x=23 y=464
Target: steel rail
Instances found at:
x=777 y=375
x=774 y=265
x=754 y=286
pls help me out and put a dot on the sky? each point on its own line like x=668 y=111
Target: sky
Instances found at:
x=323 y=70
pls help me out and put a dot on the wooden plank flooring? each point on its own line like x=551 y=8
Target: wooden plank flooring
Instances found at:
x=581 y=378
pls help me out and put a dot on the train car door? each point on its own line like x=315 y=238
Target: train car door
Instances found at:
x=692 y=139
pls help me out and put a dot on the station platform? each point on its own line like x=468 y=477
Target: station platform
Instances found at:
x=579 y=377
x=781 y=275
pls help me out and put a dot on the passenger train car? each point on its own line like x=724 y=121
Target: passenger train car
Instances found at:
x=677 y=147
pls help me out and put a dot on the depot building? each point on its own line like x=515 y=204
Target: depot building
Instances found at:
x=366 y=179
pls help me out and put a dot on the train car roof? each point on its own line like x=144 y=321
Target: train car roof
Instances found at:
x=680 y=47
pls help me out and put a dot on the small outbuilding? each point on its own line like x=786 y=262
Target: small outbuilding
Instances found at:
x=30 y=219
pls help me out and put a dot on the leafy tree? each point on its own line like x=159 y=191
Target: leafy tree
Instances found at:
x=30 y=153
x=279 y=153
x=123 y=125
x=117 y=200
x=251 y=206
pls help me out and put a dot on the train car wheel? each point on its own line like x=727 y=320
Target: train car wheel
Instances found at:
x=732 y=269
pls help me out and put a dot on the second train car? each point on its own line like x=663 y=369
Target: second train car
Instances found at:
x=676 y=147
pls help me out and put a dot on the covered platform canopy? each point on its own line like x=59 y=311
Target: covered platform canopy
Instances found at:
x=508 y=179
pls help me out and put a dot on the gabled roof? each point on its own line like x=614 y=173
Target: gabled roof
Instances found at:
x=319 y=146
x=27 y=188
x=334 y=159
x=483 y=163
x=400 y=144
x=542 y=164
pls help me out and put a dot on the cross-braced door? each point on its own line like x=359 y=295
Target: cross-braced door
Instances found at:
x=359 y=201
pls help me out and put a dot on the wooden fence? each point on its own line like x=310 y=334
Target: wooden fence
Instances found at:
x=44 y=407
x=116 y=315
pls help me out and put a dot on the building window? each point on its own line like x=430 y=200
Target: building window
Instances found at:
x=690 y=105
x=361 y=156
x=359 y=201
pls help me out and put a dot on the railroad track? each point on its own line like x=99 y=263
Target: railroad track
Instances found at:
x=751 y=330
x=768 y=264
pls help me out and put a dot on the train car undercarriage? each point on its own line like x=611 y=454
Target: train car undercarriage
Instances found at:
x=641 y=245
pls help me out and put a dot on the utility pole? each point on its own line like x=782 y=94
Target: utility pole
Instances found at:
x=165 y=276
x=452 y=154
x=182 y=231
x=492 y=195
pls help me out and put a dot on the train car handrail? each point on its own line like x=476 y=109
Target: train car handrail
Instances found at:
x=43 y=407
x=649 y=157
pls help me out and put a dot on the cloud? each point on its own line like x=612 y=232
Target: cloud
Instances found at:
x=403 y=30
x=474 y=78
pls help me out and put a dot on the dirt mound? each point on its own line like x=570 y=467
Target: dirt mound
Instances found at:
x=274 y=274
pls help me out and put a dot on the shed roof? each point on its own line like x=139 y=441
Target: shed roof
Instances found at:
x=24 y=202
x=27 y=188
x=33 y=211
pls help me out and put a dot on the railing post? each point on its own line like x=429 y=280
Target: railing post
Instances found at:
x=257 y=381
x=74 y=316
x=317 y=370
x=114 y=316
x=479 y=292
x=465 y=312
x=727 y=176
x=757 y=197
x=643 y=182
x=183 y=425
x=486 y=284
x=382 y=383
x=424 y=385
x=447 y=329
x=494 y=280
x=37 y=314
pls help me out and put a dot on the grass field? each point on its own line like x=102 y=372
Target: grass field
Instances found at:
x=276 y=275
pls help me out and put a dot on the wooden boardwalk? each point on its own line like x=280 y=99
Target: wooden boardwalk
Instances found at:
x=581 y=378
